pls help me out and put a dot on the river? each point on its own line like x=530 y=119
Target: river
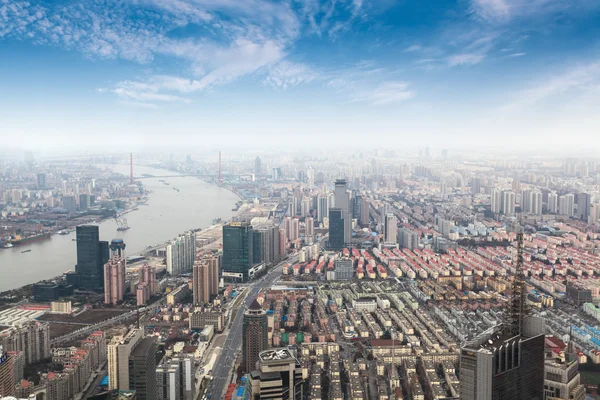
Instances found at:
x=167 y=213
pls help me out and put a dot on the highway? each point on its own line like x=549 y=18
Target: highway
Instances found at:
x=224 y=366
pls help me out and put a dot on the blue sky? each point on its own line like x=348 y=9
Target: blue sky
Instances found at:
x=303 y=72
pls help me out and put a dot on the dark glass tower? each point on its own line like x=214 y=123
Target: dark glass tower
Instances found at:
x=336 y=229
x=255 y=335
x=142 y=370
x=238 y=250
x=92 y=254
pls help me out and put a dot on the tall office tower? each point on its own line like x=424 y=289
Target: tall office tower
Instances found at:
x=322 y=208
x=497 y=366
x=342 y=202
x=175 y=378
x=274 y=255
x=32 y=338
x=516 y=184
x=92 y=254
x=7 y=374
x=508 y=203
x=255 y=335
x=552 y=203
x=536 y=203
x=583 y=206
x=390 y=229
x=257 y=166
x=407 y=238
x=119 y=350
x=258 y=254
x=277 y=376
x=41 y=181
x=526 y=200
x=475 y=186
x=181 y=253
x=114 y=280
x=336 y=229
x=84 y=201
x=310 y=178
x=205 y=282
x=237 y=250
x=496 y=201
x=142 y=369
x=68 y=203
x=507 y=362
x=364 y=212
x=566 y=205
x=305 y=206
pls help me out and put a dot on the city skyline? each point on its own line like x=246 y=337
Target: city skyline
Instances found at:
x=485 y=72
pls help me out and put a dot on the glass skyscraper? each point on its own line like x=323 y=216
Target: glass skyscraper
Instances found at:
x=92 y=254
x=238 y=250
x=336 y=229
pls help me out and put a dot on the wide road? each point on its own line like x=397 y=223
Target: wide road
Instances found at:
x=224 y=366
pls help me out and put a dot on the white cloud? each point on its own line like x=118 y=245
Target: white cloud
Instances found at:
x=387 y=93
x=517 y=54
x=287 y=74
x=465 y=59
x=502 y=11
x=571 y=83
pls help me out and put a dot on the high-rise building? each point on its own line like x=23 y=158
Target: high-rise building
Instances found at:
x=536 y=203
x=305 y=206
x=342 y=202
x=7 y=374
x=41 y=181
x=237 y=250
x=142 y=369
x=181 y=253
x=344 y=269
x=92 y=254
x=496 y=201
x=292 y=228
x=526 y=200
x=32 y=338
x=583 y=206
x=566 y=205
x=114 y=280
x=562 y=380
x=205 y=281
x=552 y=203
x=119 y=350
x=310 y=178
x=175 y=378
x=84 y=201
x=500 y=366
x=336 y=229
x=255 y=335
x=117 y=248
x=68 y=203
x=146 y=284
x=390 y=230
x=476 y=186
x=407 y=238
x=322 y=207
x=277 y=376
x=309 y=230
x=257 y=166
x=508 y=202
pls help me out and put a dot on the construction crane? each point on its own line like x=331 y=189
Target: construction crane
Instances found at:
x=121 y=223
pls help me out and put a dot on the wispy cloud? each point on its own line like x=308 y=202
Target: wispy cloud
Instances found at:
x=288 y=74
x=574 y=81
x=517 y=54
x=387 y=93
x=465 y=59
x=503 y=11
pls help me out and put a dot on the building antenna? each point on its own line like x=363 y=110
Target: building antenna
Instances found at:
x=131 y=168
x=517 y=307
x=220 y=171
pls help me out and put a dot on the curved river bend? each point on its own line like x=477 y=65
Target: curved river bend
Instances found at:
x=167 y=213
